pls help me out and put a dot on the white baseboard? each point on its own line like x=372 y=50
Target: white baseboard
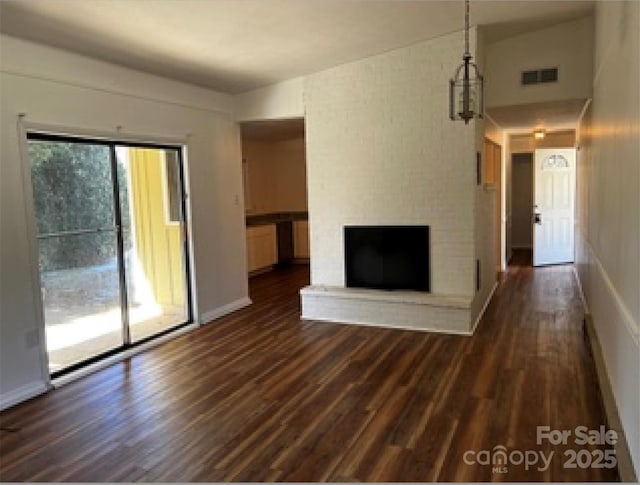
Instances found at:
x=23 y=393
x=209 y=316
x=484 y=308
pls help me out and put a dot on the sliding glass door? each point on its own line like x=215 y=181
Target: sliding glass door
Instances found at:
x=111 y=243
x=78 y=249
x=154 y=239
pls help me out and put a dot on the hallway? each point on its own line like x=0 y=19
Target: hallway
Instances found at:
x=260 y=395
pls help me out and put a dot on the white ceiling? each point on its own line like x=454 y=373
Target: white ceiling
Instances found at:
x=552 y=115
x=238 y=45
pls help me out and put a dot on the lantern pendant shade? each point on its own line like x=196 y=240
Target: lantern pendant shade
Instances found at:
x=466 y=93
x=466 y=87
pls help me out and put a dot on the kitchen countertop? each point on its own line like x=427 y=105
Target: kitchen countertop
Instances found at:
x=275 y=217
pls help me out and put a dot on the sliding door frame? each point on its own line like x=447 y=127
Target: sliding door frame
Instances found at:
x=122 y=275
x=30 y=132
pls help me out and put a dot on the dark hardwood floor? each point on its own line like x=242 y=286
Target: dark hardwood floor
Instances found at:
x=261 y=396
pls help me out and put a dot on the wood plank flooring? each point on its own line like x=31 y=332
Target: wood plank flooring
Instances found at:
x=261 y=396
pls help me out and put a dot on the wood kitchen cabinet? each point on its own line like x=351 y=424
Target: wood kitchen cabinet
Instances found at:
x=262 y=249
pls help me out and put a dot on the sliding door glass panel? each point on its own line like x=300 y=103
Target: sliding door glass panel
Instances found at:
x=77 y=249
x=153 y=234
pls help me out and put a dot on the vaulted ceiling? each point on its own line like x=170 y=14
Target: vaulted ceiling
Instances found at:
x=238 y=45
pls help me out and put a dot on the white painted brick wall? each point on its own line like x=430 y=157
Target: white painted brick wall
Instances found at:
x=390 y=313
x=382 y=150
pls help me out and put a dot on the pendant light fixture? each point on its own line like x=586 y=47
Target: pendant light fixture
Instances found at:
x=465 y=88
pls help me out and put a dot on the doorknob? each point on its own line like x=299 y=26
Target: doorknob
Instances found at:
x=536 y=218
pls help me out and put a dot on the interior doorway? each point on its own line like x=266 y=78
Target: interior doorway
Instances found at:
x=522 y=201
x=111 y=233
x=541 y=196
x=275 y=190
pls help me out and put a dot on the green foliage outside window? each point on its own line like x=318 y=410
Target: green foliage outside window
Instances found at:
x=73 y=191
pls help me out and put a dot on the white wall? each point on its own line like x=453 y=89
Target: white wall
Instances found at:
x=277 y=101
x=608 y=207
x=485 y=243
x=277 y=175
x=493 y=132
x=567 y=46
x=486 y=201
x=58 y=88
x=382 y=150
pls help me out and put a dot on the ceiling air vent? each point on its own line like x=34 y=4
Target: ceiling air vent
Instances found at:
x=549 y=75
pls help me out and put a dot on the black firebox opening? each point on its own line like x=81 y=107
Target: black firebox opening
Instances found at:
x=387 y=257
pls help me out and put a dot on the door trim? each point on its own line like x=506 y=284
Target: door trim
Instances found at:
x=124 y=137
x=122 y=277
x=26 y=131
x=32 y=248
x=498 y=180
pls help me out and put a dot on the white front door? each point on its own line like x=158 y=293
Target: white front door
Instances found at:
x=553 y=209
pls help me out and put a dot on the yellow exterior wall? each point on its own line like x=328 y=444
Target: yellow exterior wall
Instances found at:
x=157 y=242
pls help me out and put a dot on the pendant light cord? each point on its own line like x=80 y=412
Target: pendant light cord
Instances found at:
x=466 y=28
